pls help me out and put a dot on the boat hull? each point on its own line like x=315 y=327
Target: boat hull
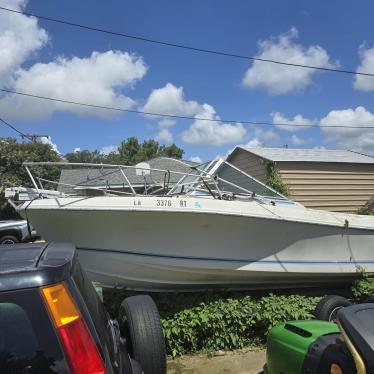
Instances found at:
x=170 y=248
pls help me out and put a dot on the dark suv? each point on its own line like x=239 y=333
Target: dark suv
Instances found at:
x=52 y=321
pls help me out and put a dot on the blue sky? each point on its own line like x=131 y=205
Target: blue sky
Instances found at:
x=56 y=60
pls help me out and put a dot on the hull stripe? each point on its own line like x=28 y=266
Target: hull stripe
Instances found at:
x=215 y=259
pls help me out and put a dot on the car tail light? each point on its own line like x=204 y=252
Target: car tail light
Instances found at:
x=80 y=348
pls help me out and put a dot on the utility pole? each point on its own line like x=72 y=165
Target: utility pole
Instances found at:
x=34 y=137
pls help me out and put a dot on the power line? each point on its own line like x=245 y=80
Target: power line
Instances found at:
x=184 y=46
x=14 y=129
x=175 y=116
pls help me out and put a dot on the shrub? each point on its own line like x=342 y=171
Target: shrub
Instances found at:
x=232 y=323
x=274 y=180
x=364 y=286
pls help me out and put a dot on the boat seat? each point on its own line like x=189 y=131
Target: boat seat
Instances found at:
x=358 y=323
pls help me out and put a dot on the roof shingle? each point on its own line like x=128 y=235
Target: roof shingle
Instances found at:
x=311 y=155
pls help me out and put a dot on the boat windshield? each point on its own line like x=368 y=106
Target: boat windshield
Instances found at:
x=217 y=178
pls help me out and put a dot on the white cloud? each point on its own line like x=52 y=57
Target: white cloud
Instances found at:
x=20 y=38
x=196 y=159
x=295 y=140
x=77 y=149
x=259 y=138
x=95 y=80
x=204 y=132
x=167 y=123
x=170 y=100
x=108 y=149
x=253 y=143
x=351 y=138
x=266 y=137
x=48 y=140
x=280 y=79
x=298 y=120
x=164 y=135
x=365 y=83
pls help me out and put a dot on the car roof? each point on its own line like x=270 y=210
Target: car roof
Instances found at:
x=34 y=264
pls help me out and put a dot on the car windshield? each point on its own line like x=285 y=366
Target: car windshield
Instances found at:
x=28 y=343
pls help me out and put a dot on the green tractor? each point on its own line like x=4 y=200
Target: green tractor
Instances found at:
x=345 y=346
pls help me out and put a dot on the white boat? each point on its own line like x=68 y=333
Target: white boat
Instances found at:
x=203 y=231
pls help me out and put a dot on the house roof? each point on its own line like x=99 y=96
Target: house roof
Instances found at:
x=310 y=155
x=112 y=177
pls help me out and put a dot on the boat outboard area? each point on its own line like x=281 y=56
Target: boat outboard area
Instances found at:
x=192 y=227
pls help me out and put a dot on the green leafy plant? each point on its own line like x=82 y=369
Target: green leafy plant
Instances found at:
x=366 y=210
x=364 y=285
x=227 y=324
x=212 y=321
x=274 y=179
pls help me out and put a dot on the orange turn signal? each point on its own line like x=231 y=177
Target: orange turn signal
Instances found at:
x=60 y=304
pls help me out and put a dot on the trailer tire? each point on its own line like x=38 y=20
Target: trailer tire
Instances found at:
x=140 y=326
x=328 y=306
x=8 y=239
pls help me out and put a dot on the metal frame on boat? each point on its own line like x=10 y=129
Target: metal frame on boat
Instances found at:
x=203 y=174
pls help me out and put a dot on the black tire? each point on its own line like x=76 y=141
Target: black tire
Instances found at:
x=140 y=326
x=8 y=239
x=327 y=308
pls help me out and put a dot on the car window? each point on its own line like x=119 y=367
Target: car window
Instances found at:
x=28 y=342
x=17 y=345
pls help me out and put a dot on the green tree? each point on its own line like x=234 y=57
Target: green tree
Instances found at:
x=86 y=156
x=171 y=151
x=12 y=173
x=130 y=151
x=149 y=149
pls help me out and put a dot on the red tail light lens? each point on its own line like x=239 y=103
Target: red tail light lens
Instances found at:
x=80 y=348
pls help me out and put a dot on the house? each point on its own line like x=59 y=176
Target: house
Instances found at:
x=335 y=180
x=72 y=179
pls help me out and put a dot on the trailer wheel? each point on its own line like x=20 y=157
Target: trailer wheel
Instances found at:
x=327 y=308
x=141 y=328
x=8 y=239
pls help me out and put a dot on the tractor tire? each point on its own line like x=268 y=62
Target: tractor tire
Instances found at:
x=140 y=326
x=327 y=308
x=8 y=239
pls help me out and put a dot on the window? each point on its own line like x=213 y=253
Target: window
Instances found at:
x=28 y=342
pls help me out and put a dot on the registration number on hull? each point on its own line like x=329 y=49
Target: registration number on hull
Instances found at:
x=169 y=203
x=165 y=203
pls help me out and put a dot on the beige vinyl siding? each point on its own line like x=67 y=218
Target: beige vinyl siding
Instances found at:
x=329 y=186
x=340 y=187
x=249 y=163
